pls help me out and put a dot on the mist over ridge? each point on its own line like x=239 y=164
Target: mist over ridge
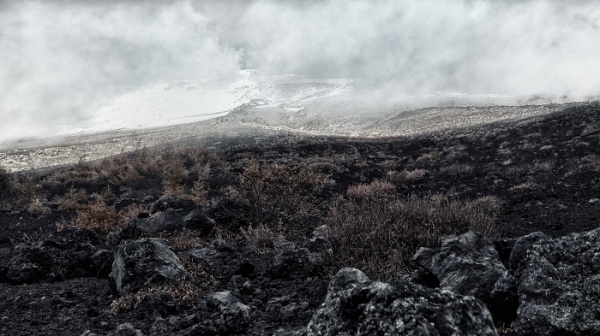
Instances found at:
x=61 y=60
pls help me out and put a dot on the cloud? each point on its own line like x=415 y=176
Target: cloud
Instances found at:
x=60 y=58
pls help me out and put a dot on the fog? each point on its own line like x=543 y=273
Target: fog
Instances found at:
x=60 y=60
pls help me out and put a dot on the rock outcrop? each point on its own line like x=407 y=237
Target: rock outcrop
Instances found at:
x=469 y=265
x=357 y=306
x=558 y=285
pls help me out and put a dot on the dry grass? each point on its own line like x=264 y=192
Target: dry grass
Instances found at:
x=274 y=193
x=378 y=235
x=103 y=218
x=375 y=189
x=262 y=237
x=456 y=169
x=182 y=292
x=184 y=239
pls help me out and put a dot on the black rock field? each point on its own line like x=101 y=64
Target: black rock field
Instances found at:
x=468 y=227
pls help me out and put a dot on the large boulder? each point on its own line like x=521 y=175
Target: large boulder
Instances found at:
x=142 y=262
x=467 y=264
x=358 y=306
x=558 y=285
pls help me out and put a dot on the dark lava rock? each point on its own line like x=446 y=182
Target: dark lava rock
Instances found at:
x=142 y=262
x=207 y=257
x=358 y=306
x=294 y=262
x=64 y=255
x=467 y=264
x=126 y=329
x=198 y=220
x=172 y=203
x=559 y=286
x=519 y=251
x=160 y=221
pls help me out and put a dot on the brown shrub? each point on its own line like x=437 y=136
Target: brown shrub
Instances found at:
x=274 y=193
x=378 y=235
x=74 y=199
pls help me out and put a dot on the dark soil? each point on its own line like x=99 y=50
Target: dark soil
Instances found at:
x=545 y=170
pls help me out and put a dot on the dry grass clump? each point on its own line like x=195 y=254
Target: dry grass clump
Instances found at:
x=182 y=292
x=378 y=235
x=272 y=194
x=196 y=270
x=72 y=200
x=37 y=208
x=409 y=175
x=456 y=169
x=103 y=218
x=183 y=239
x=375 y=189
x=262 y=237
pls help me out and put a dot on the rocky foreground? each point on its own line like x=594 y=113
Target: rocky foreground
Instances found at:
x=486 y=231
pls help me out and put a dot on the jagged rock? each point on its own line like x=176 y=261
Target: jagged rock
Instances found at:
x=285 y=308
x=160 y=221
x=241 y=285
x=126 y=329
x=172 y=203
x=144 y=261
x=66 y=254
x=198 y=220
x=207 y=257
x=128 y=232
x=293 y=262
x=358 y=306
x=519 y=251
x=559 y=287
x=463 y=261
x=171 y=221
x=233 y=316
x=160 y=328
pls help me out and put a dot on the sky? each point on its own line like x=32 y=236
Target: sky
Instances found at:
x=62 y=59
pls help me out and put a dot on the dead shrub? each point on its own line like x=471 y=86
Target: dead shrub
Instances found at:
x=379 y=235
x=274 y=193
x=74 y=199
x=98 y=216
x=37 y=208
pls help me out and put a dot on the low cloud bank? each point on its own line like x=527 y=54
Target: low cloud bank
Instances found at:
x=60 y=60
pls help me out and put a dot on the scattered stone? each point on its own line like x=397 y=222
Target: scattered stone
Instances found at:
x=126 y=329
x=142 y=262
x=292 y=262
x=198 y=220
x=358 y=306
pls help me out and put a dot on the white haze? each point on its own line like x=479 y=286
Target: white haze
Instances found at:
x=61 y=60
